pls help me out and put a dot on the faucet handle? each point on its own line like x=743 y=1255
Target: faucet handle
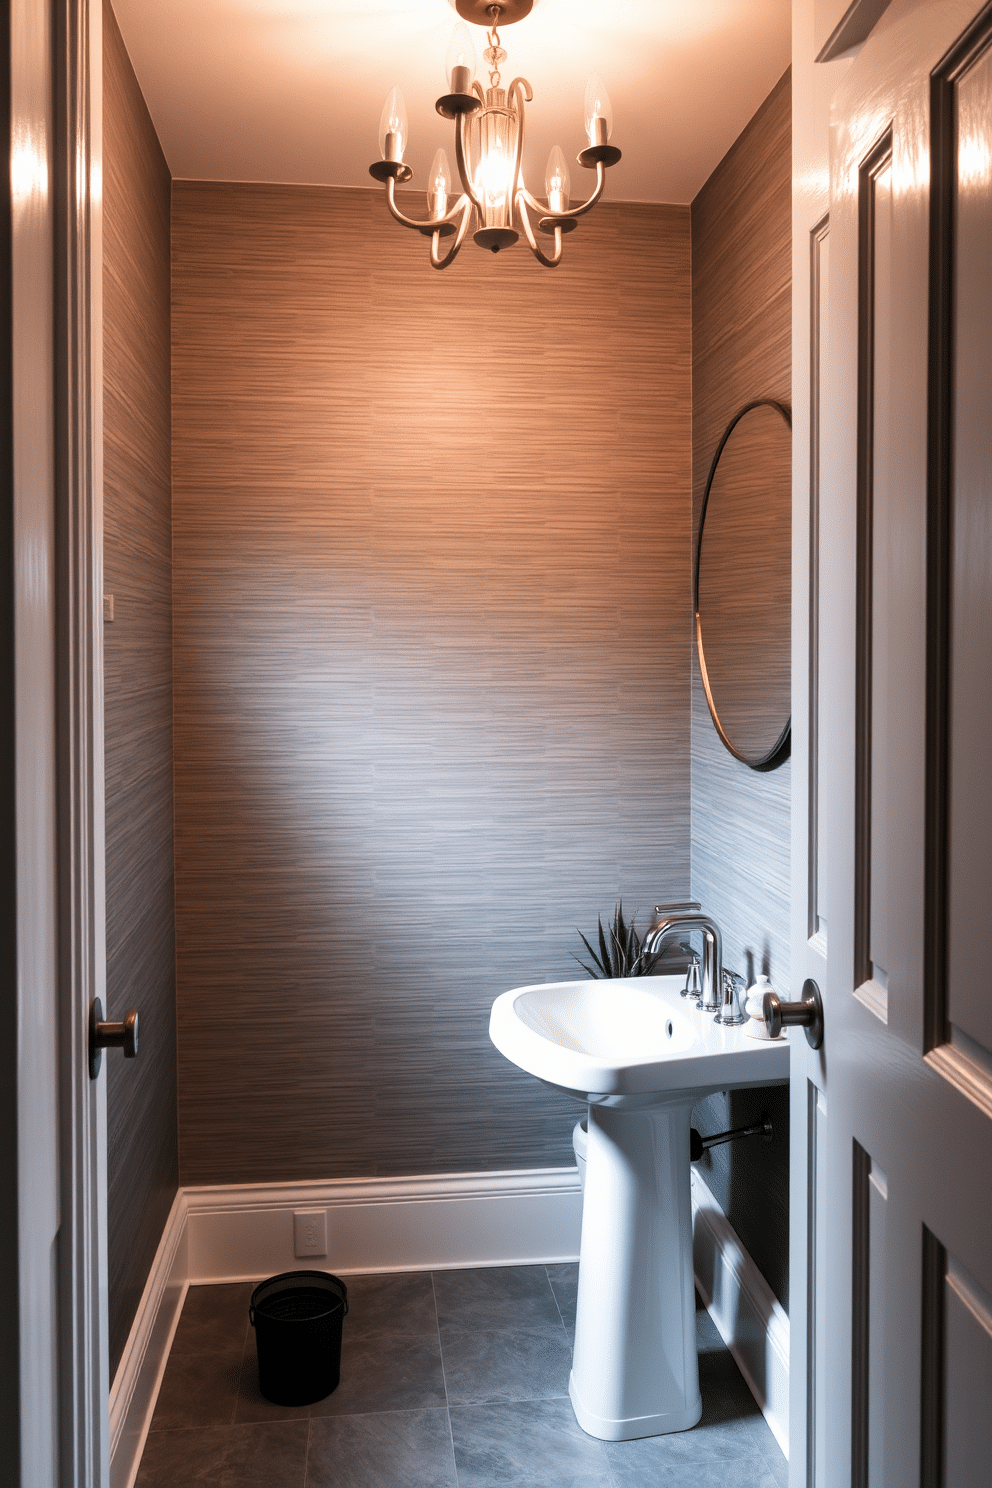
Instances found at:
x=692 y=987
x=731 y=1014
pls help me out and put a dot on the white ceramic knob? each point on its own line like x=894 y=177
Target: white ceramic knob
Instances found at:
x=754 y=1008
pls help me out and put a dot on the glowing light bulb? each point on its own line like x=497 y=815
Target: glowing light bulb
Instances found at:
x=393 y=122
x=439 y=186
x=495 y=169
x=460 y=61
x=556 y=181
x=598 y=106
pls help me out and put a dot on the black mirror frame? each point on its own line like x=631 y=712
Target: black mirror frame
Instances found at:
x=782 y=747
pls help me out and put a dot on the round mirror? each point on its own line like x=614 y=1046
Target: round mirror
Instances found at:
x=742 y=588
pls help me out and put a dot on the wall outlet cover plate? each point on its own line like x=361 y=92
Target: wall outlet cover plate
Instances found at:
x=310 y=1232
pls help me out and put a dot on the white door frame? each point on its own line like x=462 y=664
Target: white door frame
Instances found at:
x=84 y=1361
x=57 y=1152
x=812 y=85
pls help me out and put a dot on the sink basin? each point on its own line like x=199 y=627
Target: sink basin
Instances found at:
x=641 y=1056
x=631 y=1043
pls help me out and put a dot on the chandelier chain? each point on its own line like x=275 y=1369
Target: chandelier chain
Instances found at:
x=494 y=53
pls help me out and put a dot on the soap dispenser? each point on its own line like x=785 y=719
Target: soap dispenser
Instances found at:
x=754 y=1007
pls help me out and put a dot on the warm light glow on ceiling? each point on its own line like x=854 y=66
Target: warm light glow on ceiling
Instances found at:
x=290 y=90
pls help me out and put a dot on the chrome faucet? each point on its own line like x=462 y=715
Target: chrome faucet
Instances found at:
x=675 y=920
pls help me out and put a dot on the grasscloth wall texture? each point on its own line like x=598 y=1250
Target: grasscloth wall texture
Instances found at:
x=142 y=1157
x=741 y=324
x=431 y=583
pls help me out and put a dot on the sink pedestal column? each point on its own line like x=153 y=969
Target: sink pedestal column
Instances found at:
x=634 y=1368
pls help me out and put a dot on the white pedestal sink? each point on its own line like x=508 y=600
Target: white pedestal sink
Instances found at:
x=641 y=1057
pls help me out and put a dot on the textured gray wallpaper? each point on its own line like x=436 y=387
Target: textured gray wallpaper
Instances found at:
x=432 y=682
x=142 y=1141
x=741 y=310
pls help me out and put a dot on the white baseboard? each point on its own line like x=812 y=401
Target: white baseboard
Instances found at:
x=751 y=1321
x=136 y=1384
x=388 y=1224
x=245 y=1232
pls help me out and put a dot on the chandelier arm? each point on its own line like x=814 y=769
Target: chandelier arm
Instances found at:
x=574 y=211
x=518 y=93
x=549 y=262
x=430 y=224
x=468 y=185
x=442 y=263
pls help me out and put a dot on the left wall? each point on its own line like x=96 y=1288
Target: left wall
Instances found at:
x=142 y=1158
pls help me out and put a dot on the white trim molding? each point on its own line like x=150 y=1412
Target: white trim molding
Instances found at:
x=139 y=1375
x=751 y=1321
x=515 y=1218
x=531 y=1217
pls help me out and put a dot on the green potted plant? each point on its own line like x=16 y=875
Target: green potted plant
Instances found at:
x=621 y=951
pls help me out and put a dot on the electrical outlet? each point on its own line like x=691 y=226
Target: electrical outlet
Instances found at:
x=310 y=1232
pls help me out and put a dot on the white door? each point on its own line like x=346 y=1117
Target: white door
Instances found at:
x=904 y=745
x=77 y=70
x=53 y=1145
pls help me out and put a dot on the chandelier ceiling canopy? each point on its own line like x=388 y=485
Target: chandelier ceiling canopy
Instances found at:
x=489 y=142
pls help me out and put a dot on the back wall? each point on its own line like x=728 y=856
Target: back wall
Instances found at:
x=431 y=577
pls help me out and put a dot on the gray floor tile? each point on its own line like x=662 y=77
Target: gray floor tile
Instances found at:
x=390 y=1372
x=496 y=1297
x=266 y=1456
x=213 y=1317
x=527 y=1444
x=482 y=1366
x=199 y=1389
x=564 y=1281
x=642 y=1470
x=708 y=1337
x=778 y=1466
x=762 y=1437
x=393 y=1303
x=269 y=1455
x=194 y=1458
x=397 y=1449
x=386 y=1424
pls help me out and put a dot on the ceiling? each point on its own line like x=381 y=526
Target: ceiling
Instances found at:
x=292 y=90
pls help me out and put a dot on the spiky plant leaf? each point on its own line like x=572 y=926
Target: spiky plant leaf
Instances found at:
x=605 y=959
x=621 y=953
x=603 y=971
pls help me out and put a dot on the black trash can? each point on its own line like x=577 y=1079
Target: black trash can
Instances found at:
x=297 y=1318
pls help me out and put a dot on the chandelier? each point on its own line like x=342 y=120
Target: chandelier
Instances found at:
x=489 y=143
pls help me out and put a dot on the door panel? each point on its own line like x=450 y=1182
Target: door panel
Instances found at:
x=967 y=1378
x=969 y=207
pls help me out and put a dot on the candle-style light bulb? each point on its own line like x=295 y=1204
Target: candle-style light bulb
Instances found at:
x=393 y=122
x=556 y=181
x=439 y=186
x=598 y=106
x=460 y=61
